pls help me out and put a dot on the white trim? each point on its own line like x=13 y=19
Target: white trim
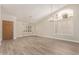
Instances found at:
x=58 y=38
x=24 y=36
x=0 y=41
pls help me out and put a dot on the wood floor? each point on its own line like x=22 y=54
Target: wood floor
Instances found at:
x=34 y=45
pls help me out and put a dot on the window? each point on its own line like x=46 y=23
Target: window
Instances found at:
x=63 y=22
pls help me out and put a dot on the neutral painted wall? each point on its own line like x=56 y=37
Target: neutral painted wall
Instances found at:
x=76 y=22
x=46 y=28
x=21 y=29
x=0 y=26
x=19 y=25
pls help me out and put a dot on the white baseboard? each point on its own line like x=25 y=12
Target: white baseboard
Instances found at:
x=76 y=41
x=58 y=38
x=24 y=36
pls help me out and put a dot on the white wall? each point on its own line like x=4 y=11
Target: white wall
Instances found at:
x=19 y=26
x=76 y=22
x=46 y=28
x=21 y=29
x=0 y=25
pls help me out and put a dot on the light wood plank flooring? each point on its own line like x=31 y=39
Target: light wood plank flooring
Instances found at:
x=35 y=45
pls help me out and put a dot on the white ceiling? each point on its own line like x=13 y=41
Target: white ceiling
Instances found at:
x=26 y=12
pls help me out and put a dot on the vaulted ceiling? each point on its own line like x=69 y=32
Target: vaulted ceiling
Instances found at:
x=32 y=12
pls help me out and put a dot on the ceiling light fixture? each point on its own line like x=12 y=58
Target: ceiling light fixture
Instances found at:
x=63 y=14
x=66 y=13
